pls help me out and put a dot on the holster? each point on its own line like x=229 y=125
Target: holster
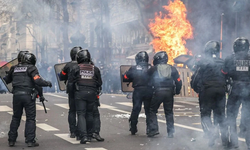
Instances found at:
x=34 y=94
x=77 y=87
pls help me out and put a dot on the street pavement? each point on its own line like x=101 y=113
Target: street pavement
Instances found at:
x=53 y=133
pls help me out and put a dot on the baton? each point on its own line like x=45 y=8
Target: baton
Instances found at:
x=44 y=106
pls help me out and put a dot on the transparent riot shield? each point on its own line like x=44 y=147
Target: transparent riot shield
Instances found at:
x=58 y=70
x=4 y=71
x=3 y=86
x=126 y=86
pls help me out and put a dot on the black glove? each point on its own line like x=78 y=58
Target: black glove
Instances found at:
x=42 y=99
x=49 y=84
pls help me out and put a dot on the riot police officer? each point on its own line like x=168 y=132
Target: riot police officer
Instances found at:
x=66 y=75
x=236 y=66
x=87 y=79
x=96 y=128
x=142 y=91
x=210 y=83
x=24 y=78
x=166 y=83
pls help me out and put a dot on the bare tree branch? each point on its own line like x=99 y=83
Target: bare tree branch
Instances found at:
x=143 y=18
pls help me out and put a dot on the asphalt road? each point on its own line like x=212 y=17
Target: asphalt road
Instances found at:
x=53 y=133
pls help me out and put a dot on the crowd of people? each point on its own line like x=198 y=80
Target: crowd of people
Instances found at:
x=153 y=85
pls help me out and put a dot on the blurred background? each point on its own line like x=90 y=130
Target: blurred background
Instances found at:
x=115 y=30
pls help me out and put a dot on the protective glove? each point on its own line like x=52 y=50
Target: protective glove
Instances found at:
x=42 y=99
x=49 y=84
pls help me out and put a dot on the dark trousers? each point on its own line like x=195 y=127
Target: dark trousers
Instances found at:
x=240 y=94
x=246 y=118
x=97 y=120
x=20 y=102
x=164 y=96
x=72 y=113
x=85 y=100
x=140 y=95
x=213 y=99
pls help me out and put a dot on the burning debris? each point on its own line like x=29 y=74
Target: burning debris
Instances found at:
x=171 y=30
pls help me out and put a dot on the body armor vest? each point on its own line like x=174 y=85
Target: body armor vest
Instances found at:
x=141 y=77
x=163 y=76
x=241 y=68
x=212 y=75
x=86 y=76
x=21 y=79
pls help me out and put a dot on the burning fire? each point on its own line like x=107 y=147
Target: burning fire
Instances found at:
x=171 y=30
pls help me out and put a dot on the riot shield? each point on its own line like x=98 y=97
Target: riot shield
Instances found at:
x=126 y=86
x=187 y=60
x=58 y=70
x=3 y=87
x=4 y=70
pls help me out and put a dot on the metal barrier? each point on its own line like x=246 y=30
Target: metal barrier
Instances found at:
x=186 y=90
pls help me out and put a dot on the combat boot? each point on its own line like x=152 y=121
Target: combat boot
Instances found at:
x=32 y=144
x=97 y=137
x=84 y=140
x=11 y=143
x=133 y=131
x=153 y=133
x=170 y=135
x=72 y=135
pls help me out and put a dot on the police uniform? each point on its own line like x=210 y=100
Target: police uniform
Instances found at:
x=166 y=83
x=66 y=75
x=24 y=77
x=211 y=83
x=96 y=128
x=88 y=80
x=142 y=93
x=236 y=66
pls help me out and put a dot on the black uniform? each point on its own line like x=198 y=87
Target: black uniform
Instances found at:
x=88 y=80
x=166 y=83
x=24 y=77
x=210 y=82
x=67 y=75
x=237 y=67
x=142 y=92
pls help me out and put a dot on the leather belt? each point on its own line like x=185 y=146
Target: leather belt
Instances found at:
x=22 y=93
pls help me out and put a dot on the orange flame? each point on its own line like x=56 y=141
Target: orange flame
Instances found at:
x=171 y=30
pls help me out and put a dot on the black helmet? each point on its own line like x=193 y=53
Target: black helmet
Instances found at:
x=20 y=55
x=212 y=48
x=29 y=58
x=160 y=58
x=73 y=52
x=241 y=44
x=141 y=57
x=83 y=56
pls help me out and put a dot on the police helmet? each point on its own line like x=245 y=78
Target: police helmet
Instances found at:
x=212 y=49
x=141 y=57
x=160 y=58
x=83 y=56
x=20 y=55
x=73 y=52
x=241 y=44
x=29 y=58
